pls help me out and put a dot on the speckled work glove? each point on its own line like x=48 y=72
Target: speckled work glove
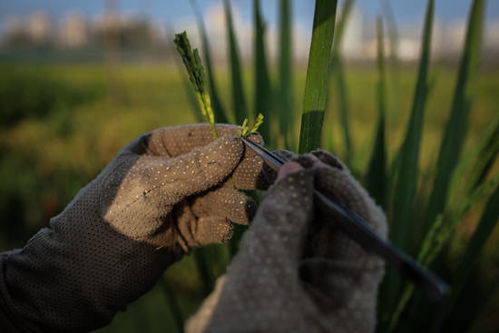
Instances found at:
x=165 y=193
x=295 y=271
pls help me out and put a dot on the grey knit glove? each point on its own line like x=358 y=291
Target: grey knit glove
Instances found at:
x=165 y=193
x=295 y=271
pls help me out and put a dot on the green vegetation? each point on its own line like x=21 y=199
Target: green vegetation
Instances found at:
x=46 y=159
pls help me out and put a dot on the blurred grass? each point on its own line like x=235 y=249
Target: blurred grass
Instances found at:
x=376 y=171
x=70 y=127
x=405 y=172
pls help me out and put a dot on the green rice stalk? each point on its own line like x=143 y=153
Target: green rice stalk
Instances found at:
x=205 y=275
x=376 y=172
x=191 y=98
x=488 y=222
x=316 y=84
x=401 y=306
x=215 y=97
x=193 y=102
x=246 y=130
x=263 y=93
x=239 y=105
x=457 y=126
x=197 y=77
x=172 y=301
x=286 y=104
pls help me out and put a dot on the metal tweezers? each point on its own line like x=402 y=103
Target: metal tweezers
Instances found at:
x=355 y=227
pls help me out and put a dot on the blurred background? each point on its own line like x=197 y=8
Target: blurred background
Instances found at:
x=80 y=79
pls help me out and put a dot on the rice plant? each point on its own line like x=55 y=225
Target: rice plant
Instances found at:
x=394 y=180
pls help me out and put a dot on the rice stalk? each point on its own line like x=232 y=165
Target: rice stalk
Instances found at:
x=215 y=97
x=197 y=77
x=172 y=301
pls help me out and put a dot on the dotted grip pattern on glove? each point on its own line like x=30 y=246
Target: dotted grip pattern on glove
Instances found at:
x=294 y=270
x=163 y=194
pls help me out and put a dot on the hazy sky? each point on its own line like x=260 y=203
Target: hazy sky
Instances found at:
x=168 y=11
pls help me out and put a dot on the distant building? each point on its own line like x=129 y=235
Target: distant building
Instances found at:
x=74 y=31
x=39 y=28
x=448 y=39
x=13 y=26
x=354 y=40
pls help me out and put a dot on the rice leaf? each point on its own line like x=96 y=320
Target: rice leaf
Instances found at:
x=197 y=77
x=337 y=68
x=344 y=109
x=346 y=10
x=393 y=56
x=285 y=104
x=407 y=173
x=488 y=152
x=406 y=178
x=487 y=223
x=239 y=106
x=376 y=172
x=408 y=156
x=457 y=125
x=438 y=236
x=215 y=97
x=476 y=164
x=316 y=84
x=263 y=93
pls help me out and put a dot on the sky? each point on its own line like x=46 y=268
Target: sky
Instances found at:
x=169 y=11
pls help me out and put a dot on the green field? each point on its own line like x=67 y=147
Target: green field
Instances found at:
x=61 y=124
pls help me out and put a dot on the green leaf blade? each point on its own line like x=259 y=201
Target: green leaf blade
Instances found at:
x=286 y=101
x=486 y=226
x=239 y=104
x=263 y=93
x=457 y=126
x=338 y=71
x=376 y=172
x=316 y=84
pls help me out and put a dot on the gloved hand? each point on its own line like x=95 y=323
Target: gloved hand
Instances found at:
x=295 y=271
x=165 y=193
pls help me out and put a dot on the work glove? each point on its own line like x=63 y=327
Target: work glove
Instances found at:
x=295 y=270
x=165 y=193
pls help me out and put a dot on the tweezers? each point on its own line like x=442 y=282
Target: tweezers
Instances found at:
x=357 y=229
